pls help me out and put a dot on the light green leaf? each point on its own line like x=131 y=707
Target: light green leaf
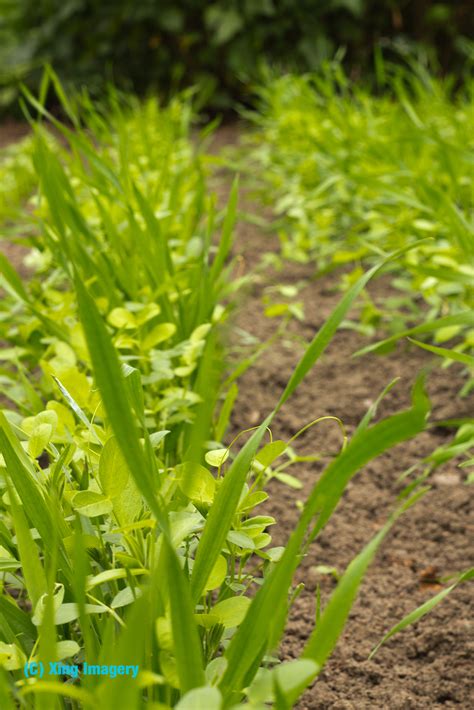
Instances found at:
x=217 y=457
x=235 y=537
x=70 y=612
x=196 y=482
x=66 y=649
x=39 y=439
x=158 y=334
x=270 y=453
x=121 y=318
x=157 y=437
x=206 y=698
x=184 y=523
x=11 y=656
x=91 y=504
x=231 y=612
x=125 y=596
x=218 y=574
x=118 y=484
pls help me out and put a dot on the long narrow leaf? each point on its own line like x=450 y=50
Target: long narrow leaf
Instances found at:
x=423 y=609
x=465 y=318
x=33 y=572
x=220 y=516
x=333 y=619
x=187 y=644
x=446 y=353
x=246 y=645
x=110 y=380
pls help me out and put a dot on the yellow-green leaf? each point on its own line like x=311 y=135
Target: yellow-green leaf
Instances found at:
x=121 y=318
x=39 y=439
x=217 y=575
x=91 y=504
x=196 y=482
x=231 y=612
x=217 y=457
x=158 y=334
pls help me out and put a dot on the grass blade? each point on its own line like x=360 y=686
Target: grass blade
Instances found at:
x=251 y=639
x=33 y=572
x=225 y=240
x=110 y=380
x=333 y=619
x=187 y=644
x=446 y=353
x=220 y=516
x=465 y=318
x=420 y=611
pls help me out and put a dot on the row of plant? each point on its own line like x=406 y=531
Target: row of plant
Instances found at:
x=358 y=175
x=130 y=532
x=352 y=175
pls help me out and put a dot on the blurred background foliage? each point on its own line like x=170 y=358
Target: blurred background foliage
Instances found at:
x=218 y=46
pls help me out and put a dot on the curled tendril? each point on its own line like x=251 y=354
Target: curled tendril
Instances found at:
x=327 y=417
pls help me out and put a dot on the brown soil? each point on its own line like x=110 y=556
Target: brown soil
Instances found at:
x=430 y=664
x=12 y=131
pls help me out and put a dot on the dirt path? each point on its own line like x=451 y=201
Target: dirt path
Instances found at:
x=429 y=665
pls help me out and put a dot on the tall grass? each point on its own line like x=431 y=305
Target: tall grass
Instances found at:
x=17 y=178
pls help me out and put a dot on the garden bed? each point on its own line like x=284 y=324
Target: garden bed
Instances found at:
x=428 y=665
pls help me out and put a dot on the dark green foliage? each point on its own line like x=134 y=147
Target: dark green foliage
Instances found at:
x=219 y=45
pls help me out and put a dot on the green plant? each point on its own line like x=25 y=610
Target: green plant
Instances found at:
x=183 y=530
x=358 y=175
x=17 y=178
x=125 y=543
x=134 y=217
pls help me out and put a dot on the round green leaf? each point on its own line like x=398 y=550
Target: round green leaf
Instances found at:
x=206 y=698
x=91 y=504
x=196 y=482
x=231 y=612
x=158 y=334
x=217 y=457
x=217 y=575
x=121 y=318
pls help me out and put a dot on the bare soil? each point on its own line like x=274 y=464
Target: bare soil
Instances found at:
x=428 y=665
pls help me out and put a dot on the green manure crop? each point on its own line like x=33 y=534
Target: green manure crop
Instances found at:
x=131 y=535
x=17 y=177
x=358 y=174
